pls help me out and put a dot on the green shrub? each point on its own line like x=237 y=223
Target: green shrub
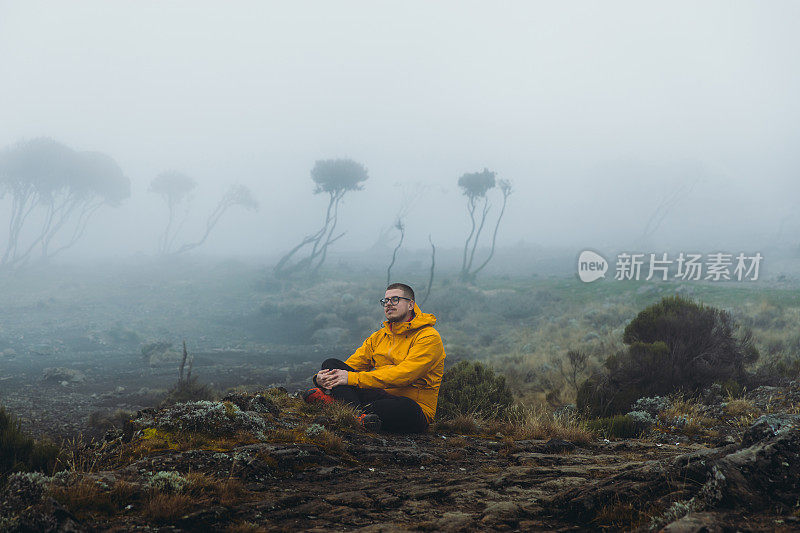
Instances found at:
x=471 y=388
x=675 y=345
x=18 y=452
x=616 y=427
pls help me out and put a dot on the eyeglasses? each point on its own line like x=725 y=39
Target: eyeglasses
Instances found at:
x=394 y=299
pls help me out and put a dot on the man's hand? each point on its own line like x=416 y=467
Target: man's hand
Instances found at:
x=328 y=379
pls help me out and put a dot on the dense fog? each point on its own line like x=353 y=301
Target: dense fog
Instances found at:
x=621 y=125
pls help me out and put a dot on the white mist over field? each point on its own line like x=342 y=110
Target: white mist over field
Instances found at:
x=621 y=125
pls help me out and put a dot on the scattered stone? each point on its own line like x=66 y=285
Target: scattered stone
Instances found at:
x=257 y=403
x=211 y=418
x=694 y=523
x=556 y=446
x=507 y=512
x=453 y=521
x=59 y=374
x=768 y=426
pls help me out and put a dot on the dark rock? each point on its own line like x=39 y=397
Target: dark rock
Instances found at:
x=49 y=517
x=724 y=441
x=22 y=490
x=762 y=475
x=258 y=403
x=210 y=418
x=556 y=446
x=350 y=499
x=202 y=519
x=506 y=512
x=768 y=426
x=453 y=521
x=694 y=523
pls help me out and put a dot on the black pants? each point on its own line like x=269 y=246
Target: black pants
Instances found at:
x=397 y=413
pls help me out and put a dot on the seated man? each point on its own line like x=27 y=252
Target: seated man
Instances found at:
x=394 y=376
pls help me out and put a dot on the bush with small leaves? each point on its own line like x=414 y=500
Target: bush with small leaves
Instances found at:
x=675 y=345
x=643 y=418
x=652 y=405
x=471 y=388
x=19 y=452
x=167 y=481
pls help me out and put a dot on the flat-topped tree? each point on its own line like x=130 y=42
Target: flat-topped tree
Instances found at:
x=475 y=186
x=54 y=192
x=335 y=177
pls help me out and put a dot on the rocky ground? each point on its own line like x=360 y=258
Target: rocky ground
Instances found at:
x=64 y=396
x=266 y=461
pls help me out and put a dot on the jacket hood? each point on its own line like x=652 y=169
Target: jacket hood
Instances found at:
x=420 y=320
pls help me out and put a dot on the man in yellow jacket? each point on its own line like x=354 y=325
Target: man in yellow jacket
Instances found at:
x=394 y=376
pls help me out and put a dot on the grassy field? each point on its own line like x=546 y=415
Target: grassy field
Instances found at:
x=523 y=326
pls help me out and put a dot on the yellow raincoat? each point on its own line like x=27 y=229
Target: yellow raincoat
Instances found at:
x=405 y=359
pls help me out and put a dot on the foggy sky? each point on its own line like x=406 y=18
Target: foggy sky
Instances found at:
x=596 y=111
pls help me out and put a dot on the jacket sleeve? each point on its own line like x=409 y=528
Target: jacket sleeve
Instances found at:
x=425 y=353
x=362 y=358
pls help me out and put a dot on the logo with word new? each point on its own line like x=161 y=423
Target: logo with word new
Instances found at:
x=591 y=266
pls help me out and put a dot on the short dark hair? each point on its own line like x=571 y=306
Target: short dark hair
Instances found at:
x=408 y=291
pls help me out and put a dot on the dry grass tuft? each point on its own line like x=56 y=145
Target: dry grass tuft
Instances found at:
x=537 y=422
x=285 y=435
x=741 y=410
x=90 y=496
x=198 y=484
x=523 y=422
x=689 y=410
x=463 y=424
x=124 y=493
x=167 y=507
x=330 y=442
x=682 y=407
x=83 y=497
x=81 y=455
x=341 y=415
x=621 y=516
x=740 y=407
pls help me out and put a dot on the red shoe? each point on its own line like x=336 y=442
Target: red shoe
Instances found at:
x=370 y=422
x=316 y=395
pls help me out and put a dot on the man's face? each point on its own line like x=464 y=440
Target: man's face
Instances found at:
x=401 y=311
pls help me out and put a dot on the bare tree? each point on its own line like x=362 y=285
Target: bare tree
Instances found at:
x=475 y=186
x=666 y=204
x=334 y=177
x=236 y=195
x=433 y=268
x=402 y=229
x=176 y=189
x=577 y=364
